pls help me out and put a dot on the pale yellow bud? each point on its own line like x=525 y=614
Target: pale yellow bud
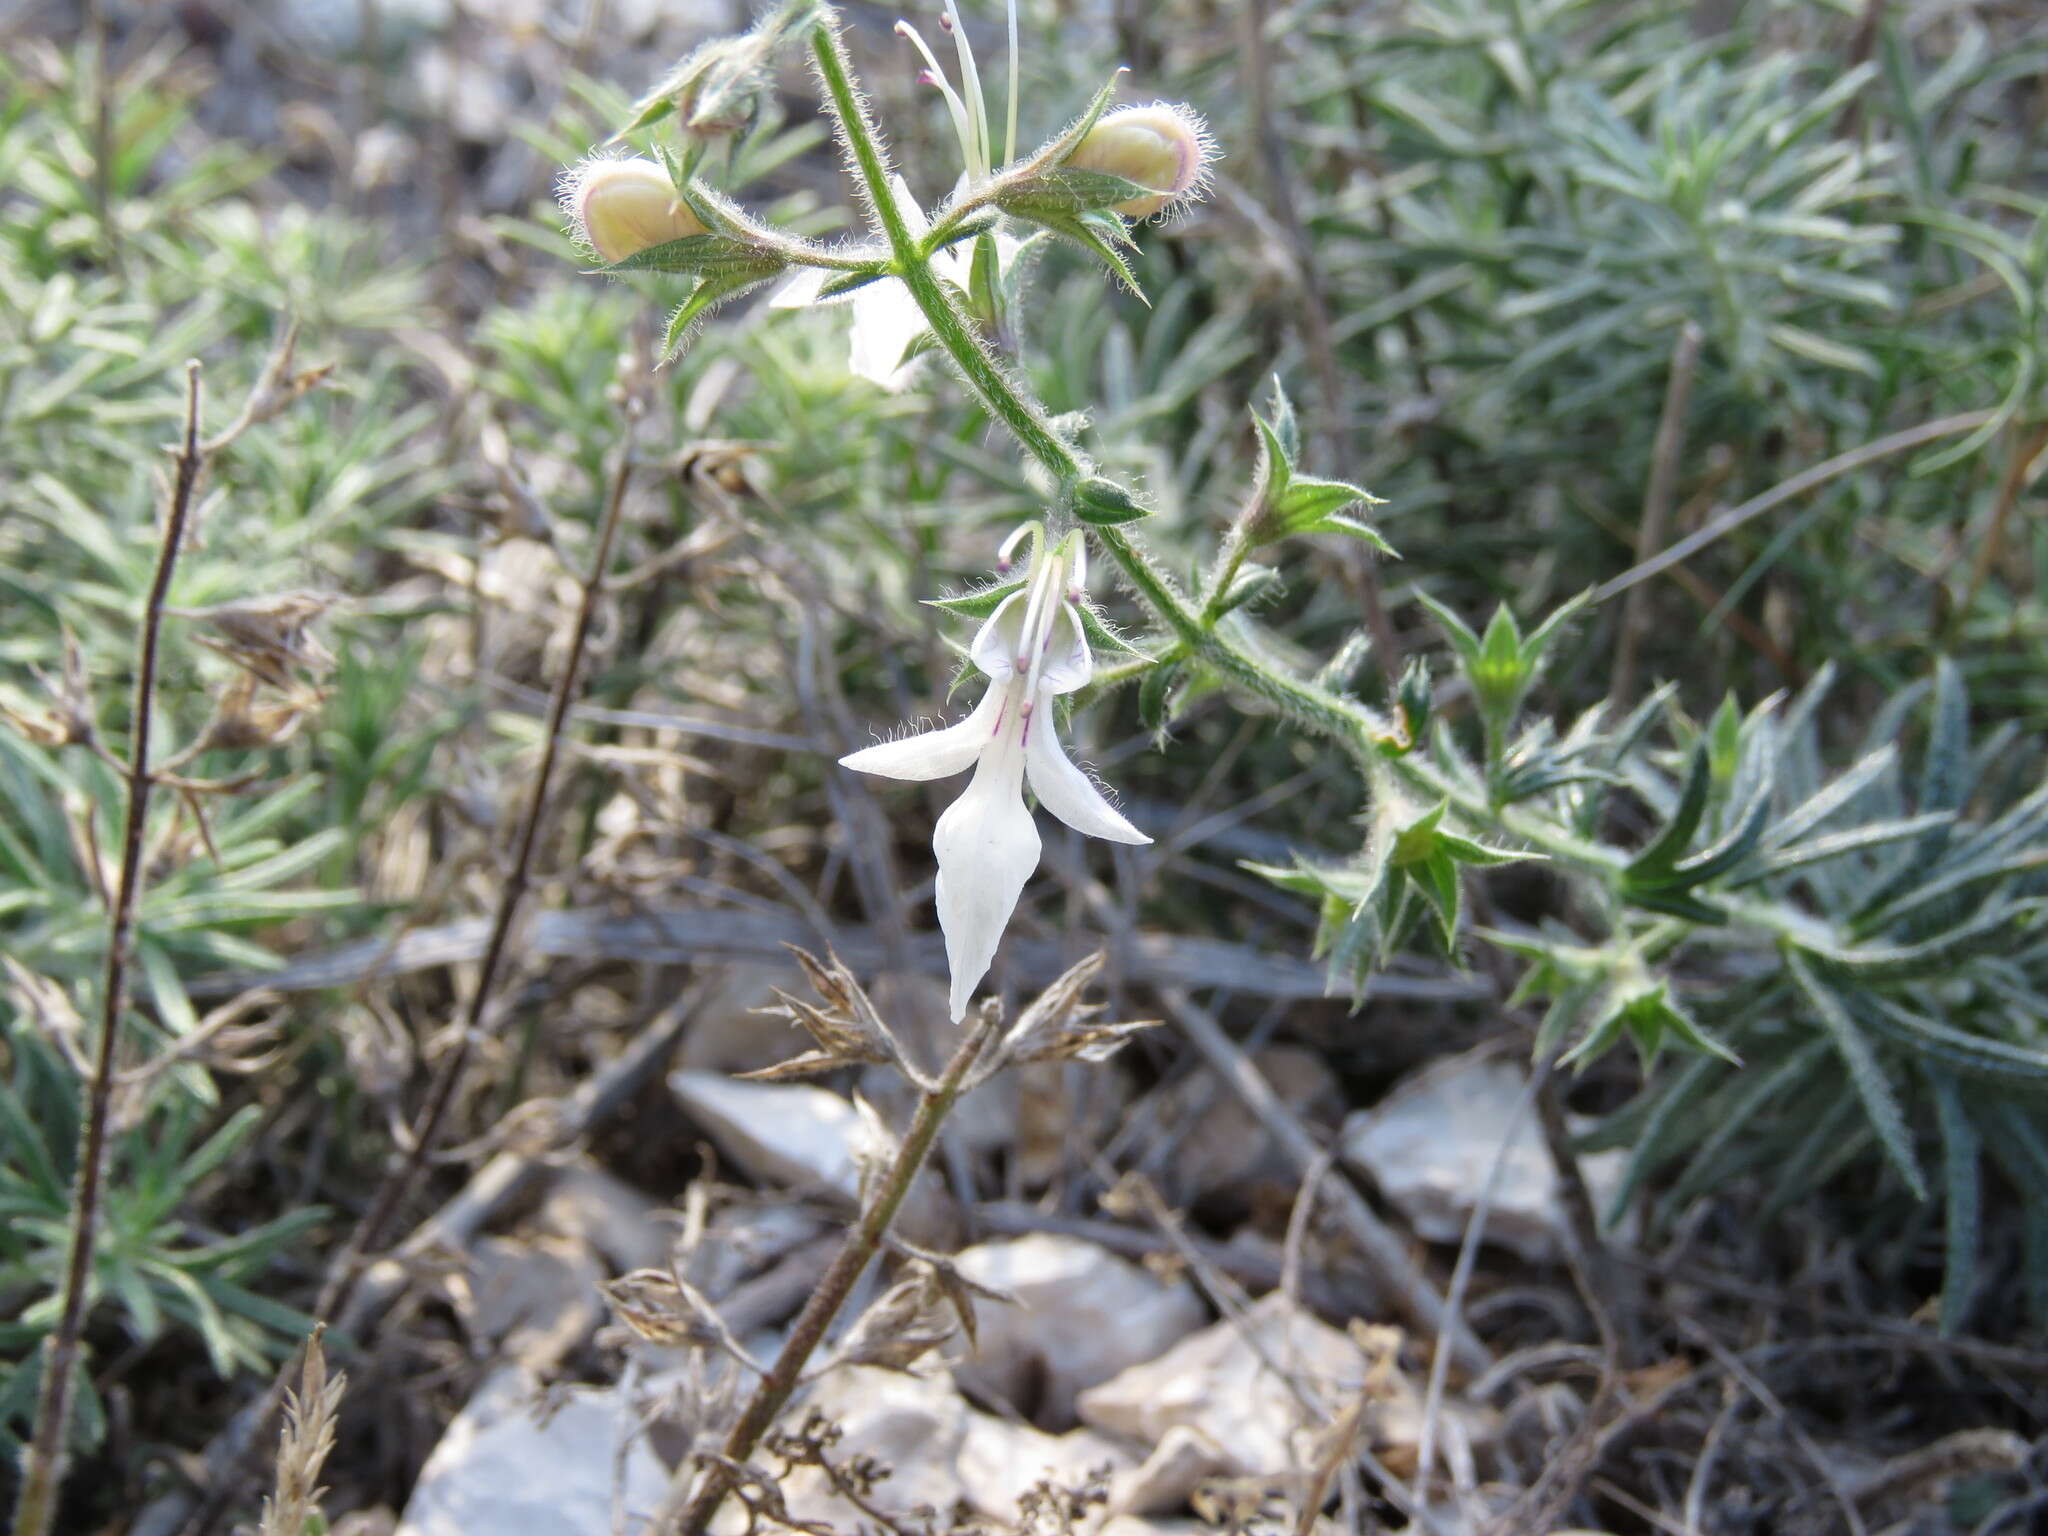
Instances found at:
x=1164 y=146
x=623 y=207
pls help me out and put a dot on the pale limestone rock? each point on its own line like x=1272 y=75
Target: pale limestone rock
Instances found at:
x=536 y=1298
x=1220 y=1382
x=1081 y=1315
x=1001 y=1460
x=1230 y=1151
x=624 y=1226
x=939 y=1450
x=781 y=1133
x=499 y=1469
x=1430 y=1144
x=1184 y=1457
x=916 y=1425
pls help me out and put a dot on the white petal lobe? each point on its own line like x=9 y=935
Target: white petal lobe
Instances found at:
x=802 y=289
x=1068 y=664
x=995 y=643
x=1064 y=789
x=886 y=320
x=933 y=754
x=988 y=847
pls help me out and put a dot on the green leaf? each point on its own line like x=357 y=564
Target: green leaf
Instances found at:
x=1153 y=693
x=1962 y=1206
x=981 y=602
x=1724 y=739
x=1755 y=1091
x=1102 y=635
x=1985 y=931
x=1880 y=1102
x=1437 y=878
x=1363 y=532
x=1540 y=638
x=1286 y=426
x=2012 y=1067
x=1254 y=584
x=1455 y=629
x=1099 y=234
x=1855 y=840
x=709 y=293
x=1064 y=192
x=707 y=255
x=1305 y=501
x=1648 y=868
x=1275 y=470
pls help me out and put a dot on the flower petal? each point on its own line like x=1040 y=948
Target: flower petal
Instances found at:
x=1064 y=789
x=995 y=643
x=987 y=845
x=933 y=754
x=907 y=205
x=886 y=320
x=802 y=288
x=1068 y=664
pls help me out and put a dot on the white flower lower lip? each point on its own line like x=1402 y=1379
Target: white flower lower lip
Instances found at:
x=1032 y=649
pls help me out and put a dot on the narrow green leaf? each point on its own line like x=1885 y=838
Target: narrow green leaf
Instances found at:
x=1962 y=1209
x=1880 y=1101
x=1455 y=629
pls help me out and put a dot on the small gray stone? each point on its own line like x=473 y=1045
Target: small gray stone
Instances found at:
x=1431 y=1143
x=1226 y=1382
x=781 y=1133
x=501 y=1469
x=1081 y=1315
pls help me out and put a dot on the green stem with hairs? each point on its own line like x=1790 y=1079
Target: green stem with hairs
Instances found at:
x=1230 y=649
x=952 y=330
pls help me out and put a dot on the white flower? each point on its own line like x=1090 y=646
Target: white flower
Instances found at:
x=886 y=319
x=1032 y=649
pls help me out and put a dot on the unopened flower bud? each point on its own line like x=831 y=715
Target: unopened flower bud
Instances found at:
x=1164 y=146
x=622 y=207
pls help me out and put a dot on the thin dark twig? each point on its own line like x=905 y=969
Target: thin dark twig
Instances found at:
x=1777 y=1410
x=1315 y=314
x=1841 y=464
x=42 y=1468
x=1665 y=452
x=2023 y=449
x=689 y=1512
x=428 y=1125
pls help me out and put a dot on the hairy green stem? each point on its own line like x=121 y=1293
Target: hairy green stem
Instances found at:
x=953 y=331
x=1228 y=648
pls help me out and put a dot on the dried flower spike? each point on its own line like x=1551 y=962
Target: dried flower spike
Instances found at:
x=1165 y=146
x=621 y=207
